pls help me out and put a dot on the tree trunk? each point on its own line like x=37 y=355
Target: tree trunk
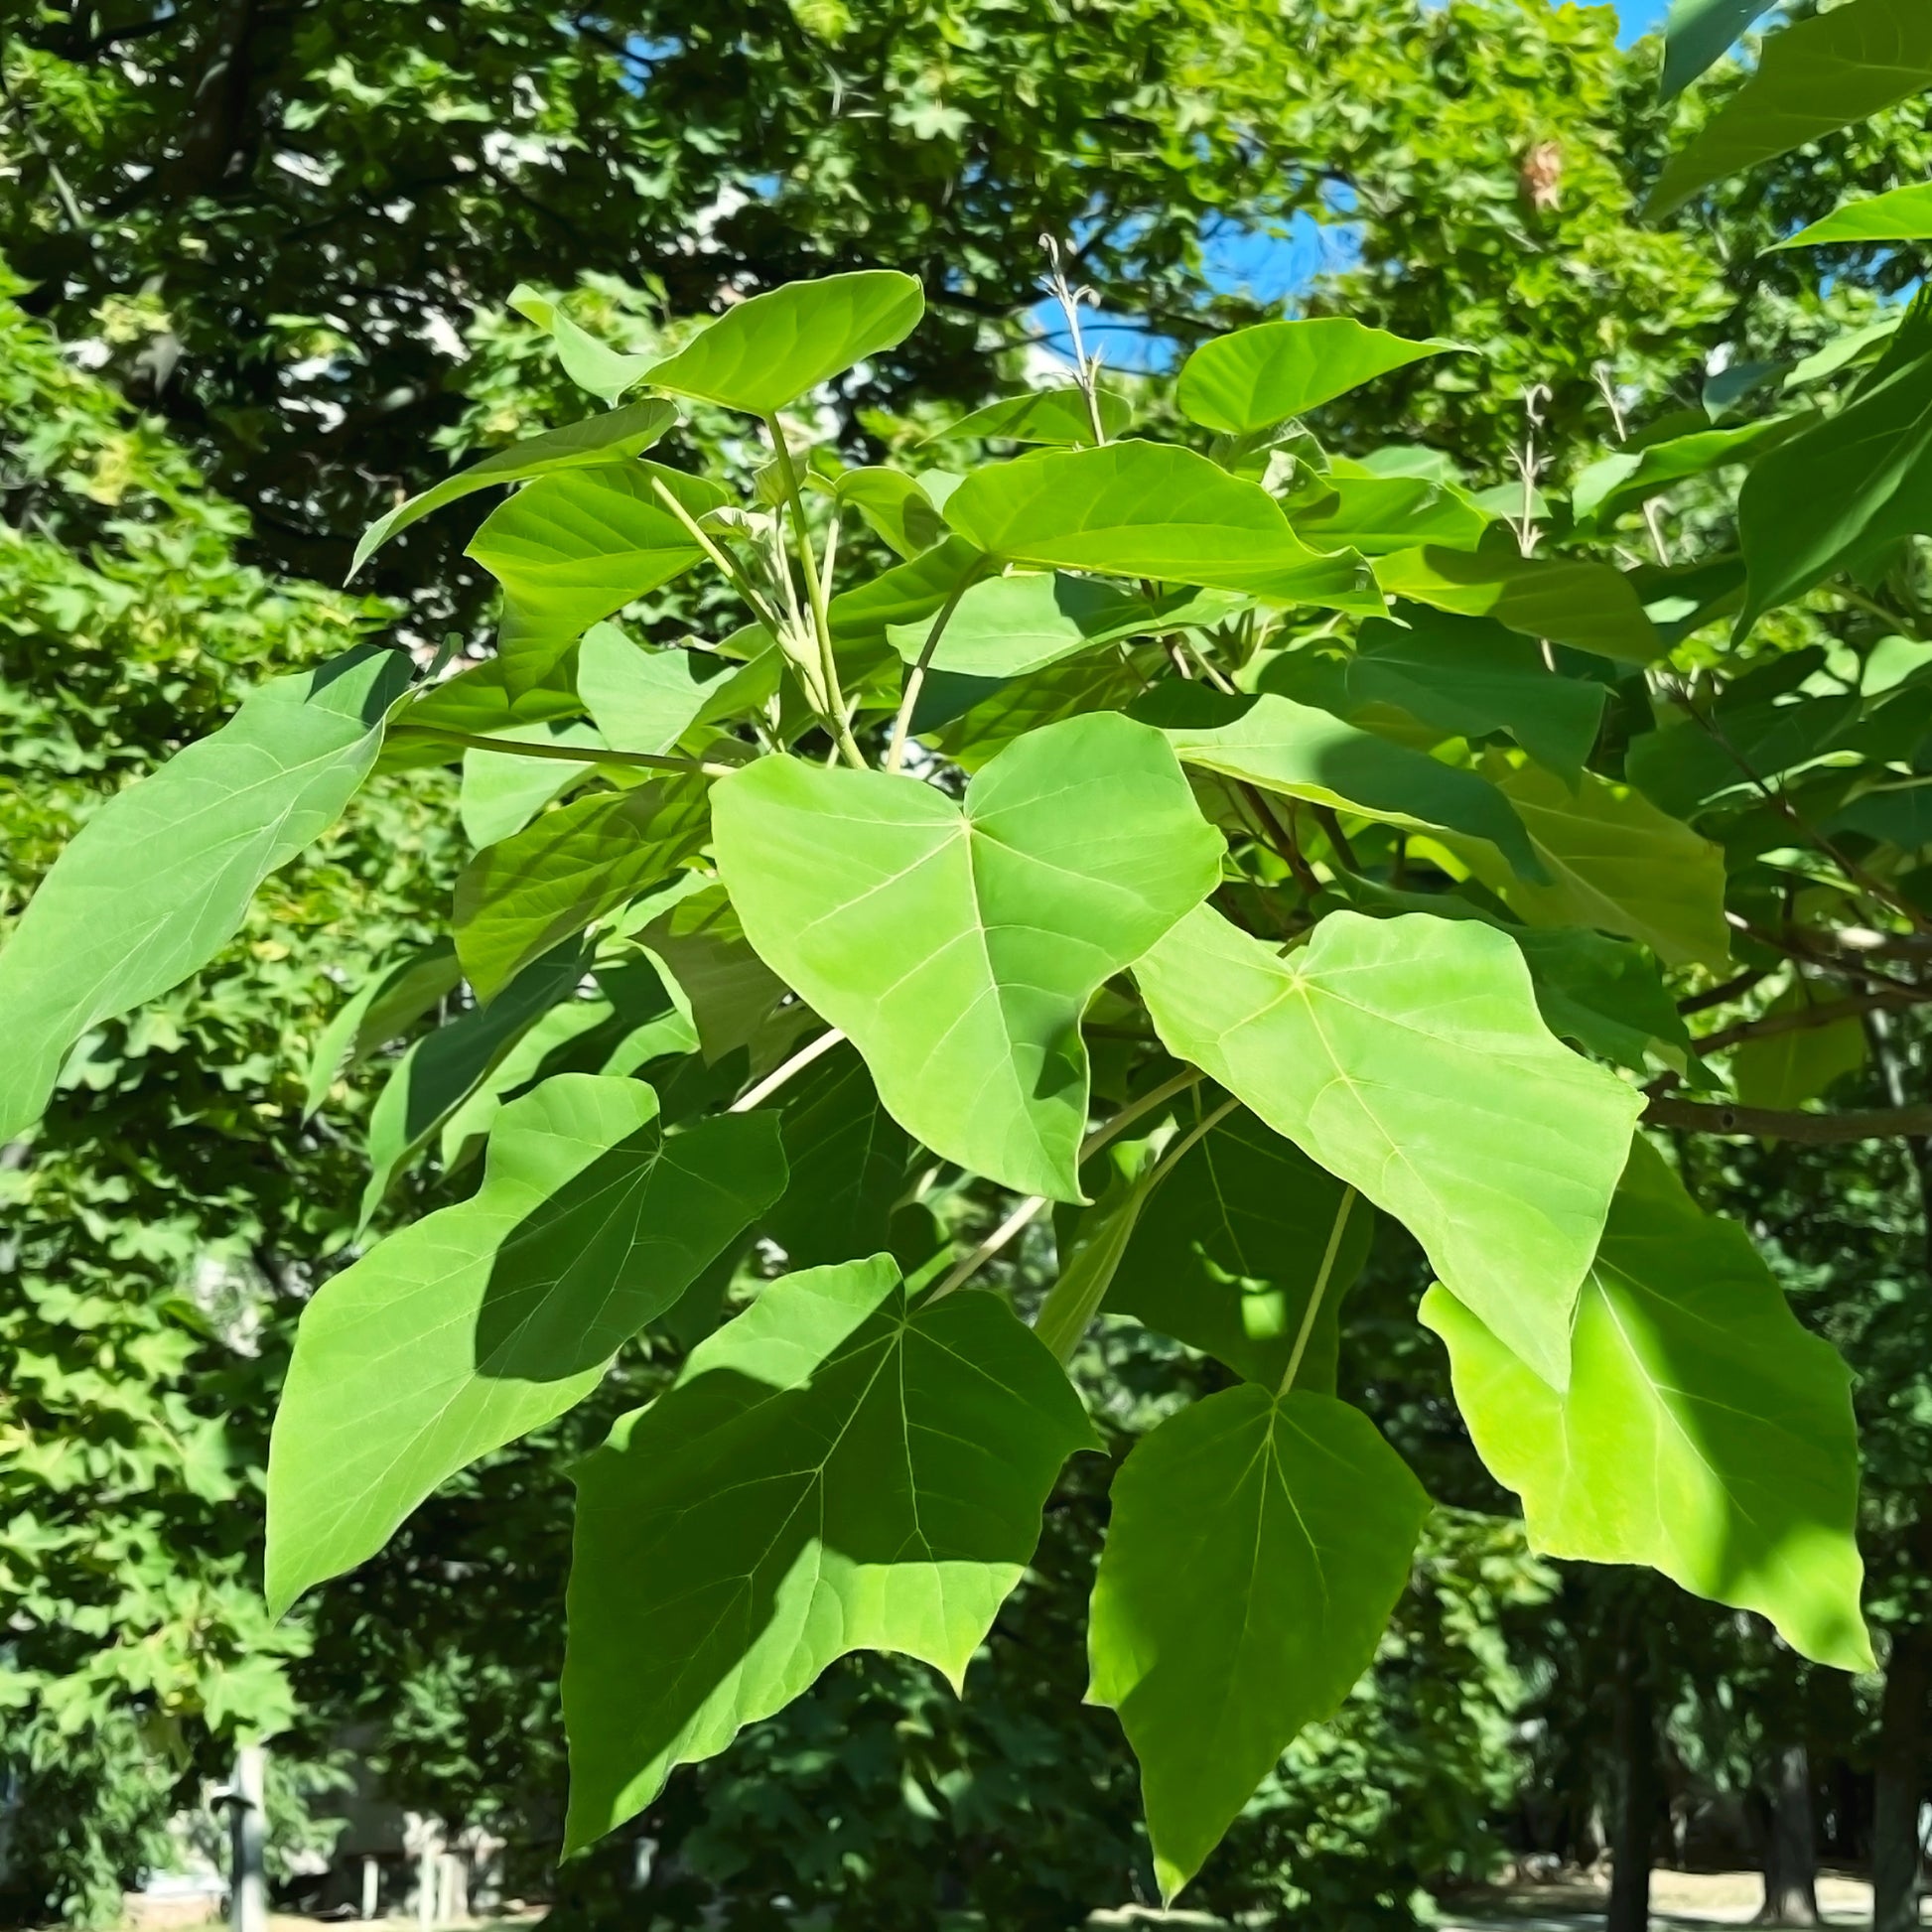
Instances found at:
x=1790 y=1851
x=1901 y=1778
x=1641 y=1787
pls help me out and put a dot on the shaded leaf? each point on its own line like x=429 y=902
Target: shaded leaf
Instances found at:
x=1587 y=604
x=1697 y=33
x=387 y=1004
x=483 y=1320
x=1618 y=482
x=1705 y=1433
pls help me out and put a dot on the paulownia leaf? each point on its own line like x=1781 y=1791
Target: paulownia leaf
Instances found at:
x=1811 y=80
x=831 y=1472
x=388 y=1004
x=1151 y=509
x=895 y=506
x=1463 y=676
x=1607 y=995
x=1615 y=863
x=1304 y=753
x=1408 y=1057
x=1854 y=485
x=1055 y=416
x=443 y=1067
x=770 y=351
x=732 y=992
x=1697 y=34
x=1010 y=627
x=1784 y=1070
x=645 y=700
x=1102 y=681
x=516 y=900
x=1588 y=605
x=1900 y=214
x=598 y=440
x=1255 y=1547
x=1224 y=1254
x=1356 y=507
x=570 y=548
x=1255 y=377
x=482 y=700
x=909 y=592
x=957 y=947
x=848 y=1159
x=590 y=363
x=1705 y=1433
x=159 y=878
x=483 y=1320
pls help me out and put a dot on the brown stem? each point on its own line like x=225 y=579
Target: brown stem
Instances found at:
x=1779 y=1124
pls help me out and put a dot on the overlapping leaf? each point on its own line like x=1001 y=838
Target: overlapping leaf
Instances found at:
x=956 y=947
x=483 y=1320
x=831 y=1472
x=1705 y=1433
x=1408 y=1057
x=1570 y=601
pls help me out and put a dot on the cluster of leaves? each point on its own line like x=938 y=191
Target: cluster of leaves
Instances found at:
x=858 y=884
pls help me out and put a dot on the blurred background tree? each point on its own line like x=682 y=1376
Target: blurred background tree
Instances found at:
x=259 y=253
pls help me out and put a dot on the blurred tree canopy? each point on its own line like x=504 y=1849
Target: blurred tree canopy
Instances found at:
x=260 y=255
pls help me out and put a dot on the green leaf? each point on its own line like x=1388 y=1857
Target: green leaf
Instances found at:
x=598 y=440
x=1259 y=376
x=1615 y=863
x=481 y=700
x=1300 y=752
x=894 y=507
x=847 y=1160
x=388 y=1004
x=1811 y=80
x=1104 y=681
x=516 y=900
x=1375 y=515
x=1088 y=1264
x=502 y=791
x=1724 y=759
x=1587 y=604
x=1618 y=482
x=1705 y=1433
x=1224 y=1255
x=645 y=700
x=1607 y=995
x=1057 y=416
x=594 y=365
x=1784 y=1070
x=1408 y=1057
x=570 y=548
x=831 y=1472
x=909 y=592
x=443 y=1069
x=1151 y=509
x=1255 y=1548
x=1894 y=814
x=1697 y=34
x=1900 y=214
x=483 y=1320
x=770 y=351
x=1851 y=485
x=732 y=994
x=1463 y=676
x=957 y=947
x=159 y=878
x=1009 y=627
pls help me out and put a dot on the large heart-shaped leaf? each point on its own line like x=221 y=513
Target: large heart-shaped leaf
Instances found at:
x=645 y=700
x=160 y=878
x=597 y=440
x=1256 y=1545
x=1408 y=1057
x=770 y=351
x=483 y=1320
x=1568 y=601
x=957 y=946
x=570 y=548
x=1697 y=34
x=1302 y=752
x=1812 y=79
x=831 y=1472
x=1154 y=511
x=516 y=900
x=1257 y=377
x=1705 y=1433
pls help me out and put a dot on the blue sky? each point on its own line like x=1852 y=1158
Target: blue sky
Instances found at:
x=1269 y=267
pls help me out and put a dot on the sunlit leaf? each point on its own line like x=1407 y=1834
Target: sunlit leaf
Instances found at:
x=1262 y=376
x=1058 y=416
x=645 y=700
x=1570 y=601
x=1697 y=33
x=1901 y=215
x=590 y=363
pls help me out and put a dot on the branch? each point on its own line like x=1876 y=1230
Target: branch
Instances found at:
x=1776 y=1123
x=1798 y=1018
x=572 y=753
